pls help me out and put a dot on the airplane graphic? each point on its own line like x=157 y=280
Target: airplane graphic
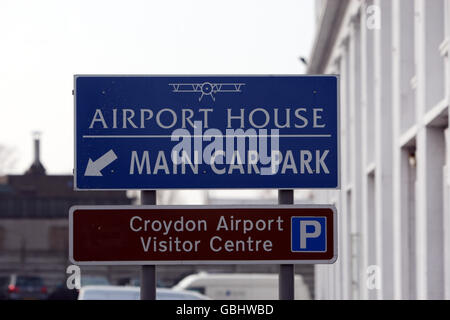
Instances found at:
x=206 y=88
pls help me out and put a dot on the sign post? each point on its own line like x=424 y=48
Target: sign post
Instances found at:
x=286 y=274
x=148 y=272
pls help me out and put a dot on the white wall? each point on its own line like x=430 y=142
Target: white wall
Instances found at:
x=393 y=207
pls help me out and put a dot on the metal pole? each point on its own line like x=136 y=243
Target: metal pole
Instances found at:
x=148 y=272
x=286 y=273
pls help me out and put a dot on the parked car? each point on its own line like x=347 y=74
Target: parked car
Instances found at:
x=94 y=281
x=22 y=287
x=61 y=292
x=133 y=293
x=136 y=282
x=240 y=286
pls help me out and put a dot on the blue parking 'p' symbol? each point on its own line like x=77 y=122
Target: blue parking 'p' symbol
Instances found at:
x=308 y=234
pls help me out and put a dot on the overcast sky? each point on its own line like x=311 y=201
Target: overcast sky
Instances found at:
x=44 y=43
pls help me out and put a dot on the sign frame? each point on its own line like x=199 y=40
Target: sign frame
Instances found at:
x=203 y=262
x=338 y=130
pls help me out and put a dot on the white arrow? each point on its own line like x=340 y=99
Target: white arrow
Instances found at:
x=94 y=167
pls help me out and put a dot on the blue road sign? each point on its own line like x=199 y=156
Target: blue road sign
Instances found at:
x=309 y=234
x=196 y=132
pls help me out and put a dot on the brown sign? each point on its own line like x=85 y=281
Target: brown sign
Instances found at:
x=138 y=235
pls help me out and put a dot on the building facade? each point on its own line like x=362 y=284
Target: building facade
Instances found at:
x=34 y=237
x=394 y=203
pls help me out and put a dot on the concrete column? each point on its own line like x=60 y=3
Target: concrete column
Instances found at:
x=337 y=267
x=333 y=197
x=403 y=116
x=345 y=266
x=355 y=145
x=366 y=142
x=383 y=148
x=430 y=156
x=447 y=19
x=446 y=186
x=447 y=162
x=446 y=47
x=330 y=282
x=396 y=122
x=433 y=34
x=318 y=280
x=429 y=217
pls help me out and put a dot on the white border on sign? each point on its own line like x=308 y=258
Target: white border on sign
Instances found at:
x=203 y=262
x=338 y=127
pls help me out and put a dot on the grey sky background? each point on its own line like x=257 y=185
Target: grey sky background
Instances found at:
x=44 y=43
